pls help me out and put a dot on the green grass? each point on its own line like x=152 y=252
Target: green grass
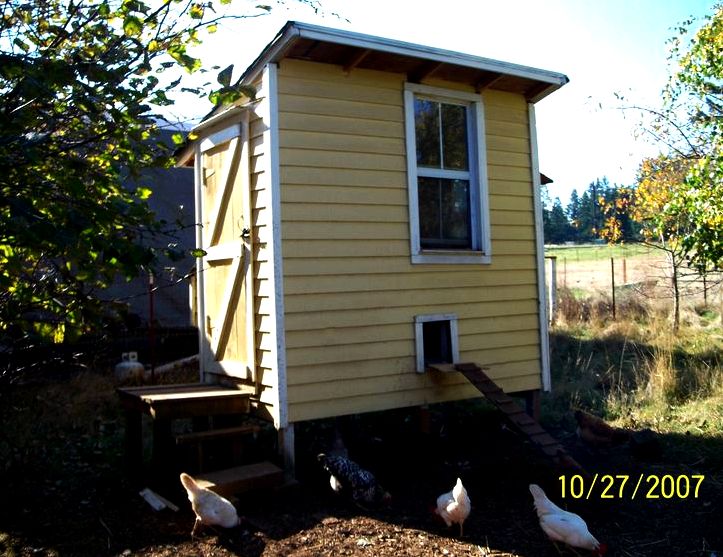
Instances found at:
x=594 y=252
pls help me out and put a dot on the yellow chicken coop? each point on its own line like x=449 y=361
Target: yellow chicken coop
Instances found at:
x=372 y=212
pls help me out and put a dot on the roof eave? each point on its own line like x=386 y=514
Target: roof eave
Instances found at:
x=294 y=31
x=534 y=99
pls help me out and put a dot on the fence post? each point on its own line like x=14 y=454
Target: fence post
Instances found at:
x=552 y=289
x=612 y=281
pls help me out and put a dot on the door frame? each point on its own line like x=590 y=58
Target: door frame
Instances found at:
x=240 y=252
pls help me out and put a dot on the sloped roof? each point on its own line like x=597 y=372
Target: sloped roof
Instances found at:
x=351 y=50
x=303 y=41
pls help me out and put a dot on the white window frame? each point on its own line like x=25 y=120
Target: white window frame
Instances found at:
x=481 y=251
x=419 y=321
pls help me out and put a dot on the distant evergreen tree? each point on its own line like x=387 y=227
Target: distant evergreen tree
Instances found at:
x=586 y=219
x=573 y=216
x=558 y=230
x=590 y=215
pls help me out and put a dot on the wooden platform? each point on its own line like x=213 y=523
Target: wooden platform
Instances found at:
x=184 y=400
x=232 y=481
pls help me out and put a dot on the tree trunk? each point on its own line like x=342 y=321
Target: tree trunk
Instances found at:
x=674 y=272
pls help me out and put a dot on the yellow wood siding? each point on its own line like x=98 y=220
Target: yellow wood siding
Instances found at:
x=350 y=290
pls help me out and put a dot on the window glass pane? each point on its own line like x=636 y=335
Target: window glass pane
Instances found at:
x=429 y=215
x=454 y=136
x=444 y=213
x=455 y=212
x=426 y=126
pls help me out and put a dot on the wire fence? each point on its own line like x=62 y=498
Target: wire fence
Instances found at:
x=644 y=274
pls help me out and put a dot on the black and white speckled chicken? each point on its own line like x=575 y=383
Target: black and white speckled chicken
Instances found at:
x=348 y=476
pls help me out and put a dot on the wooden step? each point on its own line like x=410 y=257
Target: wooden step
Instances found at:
x=209 y=434
x=198 y=439
x=231 y=481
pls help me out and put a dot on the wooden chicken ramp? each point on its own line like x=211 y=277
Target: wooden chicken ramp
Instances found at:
x=515 y=415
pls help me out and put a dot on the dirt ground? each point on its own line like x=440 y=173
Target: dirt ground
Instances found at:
x=64 y=491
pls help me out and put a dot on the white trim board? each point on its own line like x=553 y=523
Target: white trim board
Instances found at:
x=200 y=261
x=540 y=255
x=419 y=321
x=270 y=113
x=222 y=136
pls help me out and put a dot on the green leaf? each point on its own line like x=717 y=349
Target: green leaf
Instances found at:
x=224 y=76
x=143 y=193
x=196 y=11
x=22 y=45
x=197 y=252
x=132 y=26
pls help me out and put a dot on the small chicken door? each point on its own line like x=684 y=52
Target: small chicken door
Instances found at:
x=225 y=271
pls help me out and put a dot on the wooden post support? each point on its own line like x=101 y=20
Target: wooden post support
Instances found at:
x=425 y=419
x=552 y=290
x=163 y=452
x=134 y=445
x=287 y=449
x=532 y=404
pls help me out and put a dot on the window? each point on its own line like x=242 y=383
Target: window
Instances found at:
x=447 y=176
x=436 y=340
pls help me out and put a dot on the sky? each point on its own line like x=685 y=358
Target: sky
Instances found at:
x=604 y=47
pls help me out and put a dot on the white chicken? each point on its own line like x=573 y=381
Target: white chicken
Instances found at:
x=211 y=508
x=454 y=506
x=564 y=526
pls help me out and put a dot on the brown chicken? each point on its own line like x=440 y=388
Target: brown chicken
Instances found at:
x=596 y=432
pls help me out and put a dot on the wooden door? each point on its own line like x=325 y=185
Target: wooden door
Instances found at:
x=226 y=290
